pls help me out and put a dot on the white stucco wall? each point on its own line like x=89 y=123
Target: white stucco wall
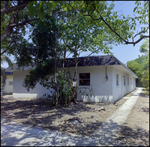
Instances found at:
x=121 y=90
x=20 y=91
x=102 y=89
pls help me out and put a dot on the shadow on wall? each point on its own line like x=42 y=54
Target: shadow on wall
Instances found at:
x=97 y=98
x=86 y=94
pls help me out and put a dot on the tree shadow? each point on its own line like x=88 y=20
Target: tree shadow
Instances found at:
x=143 y=95
x=134 y=137
x=107 y=134
x=39 y=113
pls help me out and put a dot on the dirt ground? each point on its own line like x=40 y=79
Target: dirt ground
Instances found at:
x=79 y=119
x=36 y=112
x=135 y=131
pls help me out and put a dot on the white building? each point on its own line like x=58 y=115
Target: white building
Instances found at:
x=99 y=79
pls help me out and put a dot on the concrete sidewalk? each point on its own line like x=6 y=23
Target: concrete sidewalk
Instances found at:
x=13 y=134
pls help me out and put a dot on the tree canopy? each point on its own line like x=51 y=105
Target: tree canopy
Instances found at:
x=17 y=15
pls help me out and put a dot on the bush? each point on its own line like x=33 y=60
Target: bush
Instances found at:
x=64 y=87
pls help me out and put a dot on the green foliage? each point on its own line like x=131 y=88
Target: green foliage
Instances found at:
x=3 y=77
x=140 y=66
x=145 y=80
x=64 y=86
x=42 y=74
x=144 y=47
x=5 y=58
x=141 y=17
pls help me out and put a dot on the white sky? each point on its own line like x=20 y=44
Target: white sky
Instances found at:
x=123 y=52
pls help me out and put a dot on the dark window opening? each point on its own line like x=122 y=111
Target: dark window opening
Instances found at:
x=84 y=79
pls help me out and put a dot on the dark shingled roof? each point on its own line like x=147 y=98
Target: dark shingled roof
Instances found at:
x=15 y=67
x=93 y=61
x=84 y=61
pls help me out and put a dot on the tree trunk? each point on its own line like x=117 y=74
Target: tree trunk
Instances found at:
x=55 y=64
x=74 y=97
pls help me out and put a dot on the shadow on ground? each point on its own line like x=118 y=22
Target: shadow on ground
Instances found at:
x=40 y=113
x=107 y=135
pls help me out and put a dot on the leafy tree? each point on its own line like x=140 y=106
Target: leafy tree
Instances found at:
x=98 y=12
x=18 y=14
x=140 y=66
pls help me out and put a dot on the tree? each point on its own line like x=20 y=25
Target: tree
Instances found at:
x=82 y=26
x=141 y=66
x=5 y=58
x=20 y=13
x=95 y=12
x=87 y=36
x=16 y=15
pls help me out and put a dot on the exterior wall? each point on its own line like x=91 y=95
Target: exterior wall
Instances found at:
x=8 y=88
x=122 y=90
x=20 y=92
x=99 y=90
x=102 y=89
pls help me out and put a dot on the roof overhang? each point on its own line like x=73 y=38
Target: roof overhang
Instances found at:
x=125 y=70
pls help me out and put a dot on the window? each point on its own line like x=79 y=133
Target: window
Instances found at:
x=131 y=80
x=128 y=80
x=84 y=79
x=124 y=80
x=117 y=80
x=10 y=82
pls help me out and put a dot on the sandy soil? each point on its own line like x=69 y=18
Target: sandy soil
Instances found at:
x=135 y=131
x=39 y=113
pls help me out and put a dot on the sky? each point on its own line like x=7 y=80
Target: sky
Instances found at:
x=122 y=52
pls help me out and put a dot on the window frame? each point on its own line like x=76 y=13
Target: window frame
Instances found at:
x=85 y=79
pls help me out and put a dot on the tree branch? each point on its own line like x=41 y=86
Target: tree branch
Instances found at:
x=101 y=18
x=9 y=29
x=24 y=22
x=14 y=8
x=140 y=33
x=89 y=55
x=138 y=40
x=8 y=46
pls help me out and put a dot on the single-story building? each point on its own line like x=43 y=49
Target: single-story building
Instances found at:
x=99 y=79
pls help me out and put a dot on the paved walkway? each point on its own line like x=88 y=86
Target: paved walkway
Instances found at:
x=13 y=134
